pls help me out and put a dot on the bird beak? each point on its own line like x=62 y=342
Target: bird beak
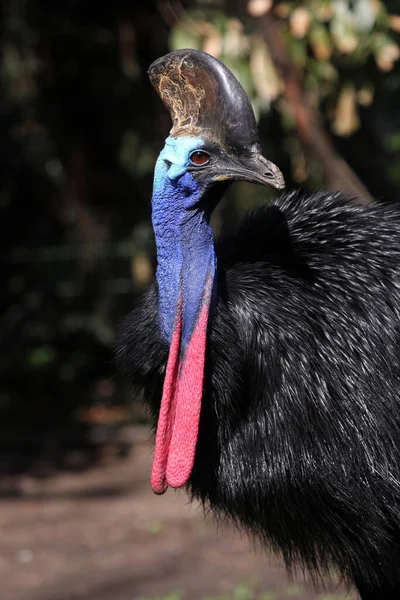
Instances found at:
x=255 y=169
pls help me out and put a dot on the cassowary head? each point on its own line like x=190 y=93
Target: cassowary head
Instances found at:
x=214 y=135
x=213 y=141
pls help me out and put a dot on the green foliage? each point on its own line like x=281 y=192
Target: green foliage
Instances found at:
x=42 y=356
x=326 y=39
x=343 y=50
x=82 y=129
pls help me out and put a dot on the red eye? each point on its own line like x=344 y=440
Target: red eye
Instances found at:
x=199 y=158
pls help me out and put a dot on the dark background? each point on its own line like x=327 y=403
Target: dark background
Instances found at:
x=81 y=130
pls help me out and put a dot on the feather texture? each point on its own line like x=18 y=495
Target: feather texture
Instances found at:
x=299 y=438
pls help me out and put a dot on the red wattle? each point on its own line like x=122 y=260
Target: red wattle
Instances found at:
x=189 y=393
x=179 y=416
x=166 y=416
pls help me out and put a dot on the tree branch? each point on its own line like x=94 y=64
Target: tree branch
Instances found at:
x=338 y=175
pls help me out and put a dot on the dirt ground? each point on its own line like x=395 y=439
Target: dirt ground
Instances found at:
x=103 y=535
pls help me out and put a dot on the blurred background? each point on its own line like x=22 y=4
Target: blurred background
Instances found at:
x=81 y=130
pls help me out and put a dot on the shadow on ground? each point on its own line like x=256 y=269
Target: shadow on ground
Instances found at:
x=103 y=535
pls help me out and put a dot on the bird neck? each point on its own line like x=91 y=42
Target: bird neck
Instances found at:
x=186 y=291
x=186 y=261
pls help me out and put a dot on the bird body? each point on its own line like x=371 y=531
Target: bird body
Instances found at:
x=271 y=361
x=299 y=437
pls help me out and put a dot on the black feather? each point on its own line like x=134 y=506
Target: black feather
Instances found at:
x=299 y=438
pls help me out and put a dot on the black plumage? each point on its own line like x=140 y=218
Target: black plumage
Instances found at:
x=299 y=438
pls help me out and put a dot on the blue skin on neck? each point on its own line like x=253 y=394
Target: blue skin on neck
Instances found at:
x=185 y=248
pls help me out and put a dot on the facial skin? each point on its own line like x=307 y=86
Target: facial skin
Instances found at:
x=208 y=163
x=176 y=155
x=185 y=250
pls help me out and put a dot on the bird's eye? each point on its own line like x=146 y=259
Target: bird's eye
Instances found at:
x=199 y=158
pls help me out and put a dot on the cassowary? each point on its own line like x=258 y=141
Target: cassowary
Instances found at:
x=270 y=357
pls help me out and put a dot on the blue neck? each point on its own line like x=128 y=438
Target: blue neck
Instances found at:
x=185 y=249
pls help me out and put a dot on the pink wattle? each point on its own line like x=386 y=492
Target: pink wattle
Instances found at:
x=188 y=404
x=179 y=417
x=166 y=416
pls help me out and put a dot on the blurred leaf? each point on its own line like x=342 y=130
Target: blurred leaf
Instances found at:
x=42 y=356
x=346 y=120
x=266 y=81
x=234 y=42
x=344 y=35
x=365 y=95
x=320 y=42
x=185 y=35
x=386 y=51
x=392 y=142
x=323 y=10
x=212 y=43
x=258 y=8
x=282 y=9
x=298 y=50
x=394 y=172
x=299 y=22
x=394 y=22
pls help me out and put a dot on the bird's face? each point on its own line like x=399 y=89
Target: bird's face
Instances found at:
x=194 y=161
